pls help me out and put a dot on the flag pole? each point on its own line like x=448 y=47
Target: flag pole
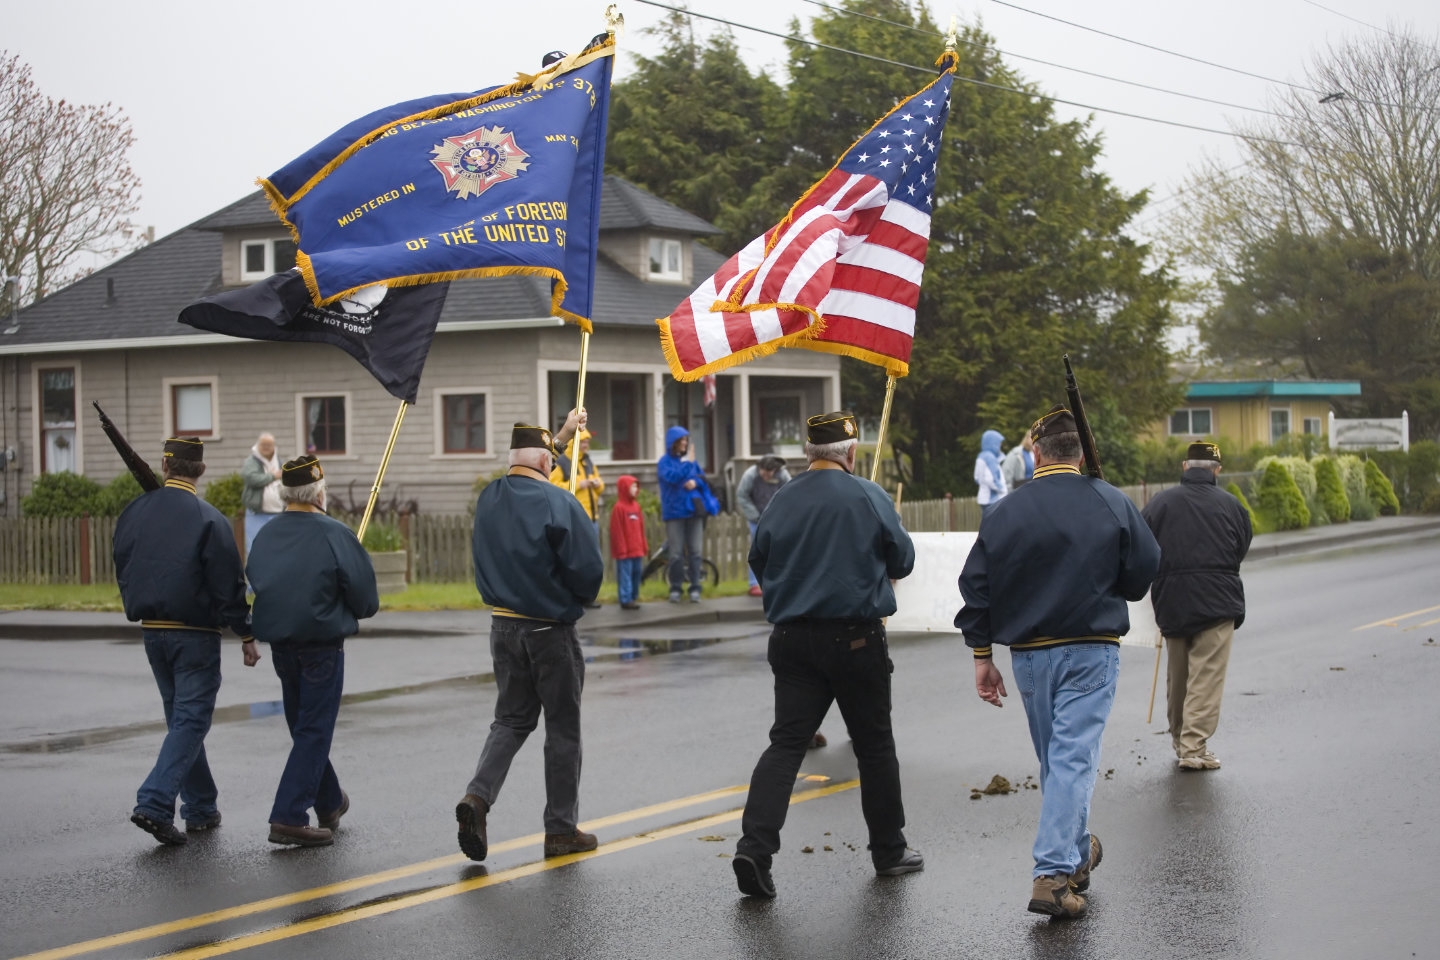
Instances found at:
x=380 y=476
x=884 y=423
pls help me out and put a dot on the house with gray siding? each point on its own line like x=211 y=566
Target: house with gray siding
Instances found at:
x=498 y=357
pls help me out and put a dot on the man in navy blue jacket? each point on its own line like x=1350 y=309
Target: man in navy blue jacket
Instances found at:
x=1049 y=577
x=179 y=575
x=313 y=584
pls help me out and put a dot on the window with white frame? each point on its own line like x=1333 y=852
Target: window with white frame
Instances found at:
x=57 y=402
x=463 y=419
x=261 y=258
x=326 y=424
x=1279 y=423
x=1314 y=426
x=1191 y=422
x=190 y=407
x=666 y=260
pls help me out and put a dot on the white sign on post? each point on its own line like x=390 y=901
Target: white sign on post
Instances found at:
x=1370 y=433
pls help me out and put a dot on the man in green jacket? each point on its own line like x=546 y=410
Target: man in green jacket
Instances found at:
x=261 y=496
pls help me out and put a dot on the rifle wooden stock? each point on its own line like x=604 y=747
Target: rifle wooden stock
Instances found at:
x=1082 y=423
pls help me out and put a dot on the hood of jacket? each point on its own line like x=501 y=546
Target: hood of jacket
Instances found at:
x=570 y=444
x=622 y=486
x=990 y=442
x=673 y=434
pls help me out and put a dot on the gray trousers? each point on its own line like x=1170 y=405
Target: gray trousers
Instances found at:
x=538 y=667
x=685 y=541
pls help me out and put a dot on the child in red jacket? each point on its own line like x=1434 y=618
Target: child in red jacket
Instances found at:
x=627 y=541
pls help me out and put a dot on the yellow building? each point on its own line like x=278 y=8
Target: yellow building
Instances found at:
x=1243 y=413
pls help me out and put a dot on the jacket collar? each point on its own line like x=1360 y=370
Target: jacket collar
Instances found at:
x=179 y=484
x=1198 y=475
x=1052 y=469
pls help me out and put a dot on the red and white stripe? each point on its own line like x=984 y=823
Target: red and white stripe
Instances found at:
x=848 y=253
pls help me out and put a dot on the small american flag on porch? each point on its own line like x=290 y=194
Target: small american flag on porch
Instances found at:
x=841 y=273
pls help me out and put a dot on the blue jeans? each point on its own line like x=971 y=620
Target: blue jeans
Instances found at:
x=684 y=541
x=1067 y=692
x=748 y=571
x=312 y=678
x=253 y=522
x=627 y=576
x=186 y=664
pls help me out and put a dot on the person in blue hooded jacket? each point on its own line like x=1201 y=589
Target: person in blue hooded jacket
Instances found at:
x=989 y=478
x=685 y=502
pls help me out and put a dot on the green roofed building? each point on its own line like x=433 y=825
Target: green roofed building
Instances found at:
x=1247 y=412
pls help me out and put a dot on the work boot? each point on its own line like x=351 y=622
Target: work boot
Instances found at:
x=1080 y=880
x=160 y=830
x=470 y=814
x=753 y=879
x=331 y=820
x=817 y=741
x=559 y=844
x=1053 y=897
x=909 y=862
x=304 y=836
x=201 y=824
x=1206 y=761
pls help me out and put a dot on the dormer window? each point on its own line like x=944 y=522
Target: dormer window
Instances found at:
x=666 y=262
x=261 y=258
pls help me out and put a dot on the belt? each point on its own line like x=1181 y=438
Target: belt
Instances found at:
x=508 y=614
x=1039 y=643
x=175 y=625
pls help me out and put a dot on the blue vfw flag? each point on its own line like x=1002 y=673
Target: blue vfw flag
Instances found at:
x=499 y=182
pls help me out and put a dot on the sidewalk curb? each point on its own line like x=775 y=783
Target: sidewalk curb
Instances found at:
x=1350 y=534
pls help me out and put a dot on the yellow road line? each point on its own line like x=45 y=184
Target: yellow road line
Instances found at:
x=1395 y=620
x=421 y=897
x=360 y=883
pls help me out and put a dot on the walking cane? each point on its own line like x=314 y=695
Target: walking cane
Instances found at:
x=1155 y=681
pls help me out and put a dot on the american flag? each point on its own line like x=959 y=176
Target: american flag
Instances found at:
x=841 y=273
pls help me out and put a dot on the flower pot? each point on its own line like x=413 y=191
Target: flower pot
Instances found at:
x=389 y=570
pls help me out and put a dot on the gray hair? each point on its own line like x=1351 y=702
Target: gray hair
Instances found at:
x=310 y=493
x=837 y=452
x=1059 y=446
x=530 y=457
x=1211 y=465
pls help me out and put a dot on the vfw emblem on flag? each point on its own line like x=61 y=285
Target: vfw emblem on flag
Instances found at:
x=474 y=162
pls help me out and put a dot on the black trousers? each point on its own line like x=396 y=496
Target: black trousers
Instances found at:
x=817 y=662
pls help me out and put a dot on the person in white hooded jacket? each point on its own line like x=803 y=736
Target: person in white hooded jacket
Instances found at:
x=261 y=495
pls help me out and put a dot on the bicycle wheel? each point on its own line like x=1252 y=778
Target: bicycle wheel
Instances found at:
x=714 y=572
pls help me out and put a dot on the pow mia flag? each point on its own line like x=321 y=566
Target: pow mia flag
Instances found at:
x=387 y=329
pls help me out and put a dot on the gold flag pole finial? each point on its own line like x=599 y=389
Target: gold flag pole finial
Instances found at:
x=952 y=37
x=614 y=21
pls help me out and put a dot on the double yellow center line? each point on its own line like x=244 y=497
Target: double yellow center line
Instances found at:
x=343 y=916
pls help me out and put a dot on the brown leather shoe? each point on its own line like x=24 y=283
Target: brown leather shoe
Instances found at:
x=1053 y=896
x=306 y=836
x=1080 y=881
x=331 y=820
x=470 y=814
x=559 y=844
x=817 y=741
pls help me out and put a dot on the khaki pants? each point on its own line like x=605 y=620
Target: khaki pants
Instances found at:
x=1194 y=683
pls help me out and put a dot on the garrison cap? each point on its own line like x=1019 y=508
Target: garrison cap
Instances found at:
x=1058 y=420
x=832 y=427
x=301 y=471
x=524 y=435
x=185 y=448
x=1203 y=450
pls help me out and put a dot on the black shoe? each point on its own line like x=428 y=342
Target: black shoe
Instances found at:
x=911 y=862
x=331 y=820
x=629 y=606
x=203 y=824
x=164 y=832
x=470 y=814
x=753 y=879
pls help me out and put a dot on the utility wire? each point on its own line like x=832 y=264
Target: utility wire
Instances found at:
x=971 y=80
x=1049 y=63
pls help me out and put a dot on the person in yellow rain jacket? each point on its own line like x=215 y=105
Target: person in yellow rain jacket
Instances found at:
x=590 y=487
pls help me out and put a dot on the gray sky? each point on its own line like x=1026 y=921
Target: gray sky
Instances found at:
x=222 y=93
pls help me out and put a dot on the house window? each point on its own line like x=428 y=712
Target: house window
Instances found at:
x=57 y=421
x=1190 y=422
x=1312 y=426
x=779 y=419
x=1279 y=423
x=260 y=258
x=464 y=426
x=192 y=407
x=325 y=423
x=665 y=259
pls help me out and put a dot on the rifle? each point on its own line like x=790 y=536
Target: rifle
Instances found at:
x=138 y=467
x=1087 y=439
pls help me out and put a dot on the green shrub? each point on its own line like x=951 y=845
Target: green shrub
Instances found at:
x=1282 y=506
x=223 y=493
x=1352 y=473
x=1234 y=490
x=382 y=538
x=1331 y=491
x=649 y=503
x=1380 y=491
x=61 y=495
x=1422 y=475
x=1431 y=504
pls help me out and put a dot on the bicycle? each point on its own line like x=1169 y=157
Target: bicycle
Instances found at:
x=660 y=560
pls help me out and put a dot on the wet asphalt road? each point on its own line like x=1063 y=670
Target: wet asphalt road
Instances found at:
x=1316 y=839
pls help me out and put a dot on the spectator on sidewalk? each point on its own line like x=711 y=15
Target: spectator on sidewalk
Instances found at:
x=260 y=474
x=589 y=488
x=313 y=584
x=627 y=541
x=180 y=576
x=685 y=502
x=1019 y=464
x=758 y=485
x=1199 y=600
x=989 y=478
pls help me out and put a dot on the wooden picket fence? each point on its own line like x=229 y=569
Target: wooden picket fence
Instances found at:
x=78 y=550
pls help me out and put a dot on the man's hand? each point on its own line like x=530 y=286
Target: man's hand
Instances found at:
x=689 y=484
x=575 y=421
x=251 y=652
x=988 y=682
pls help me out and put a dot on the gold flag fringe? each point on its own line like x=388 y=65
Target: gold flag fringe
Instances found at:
x=798 y=338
